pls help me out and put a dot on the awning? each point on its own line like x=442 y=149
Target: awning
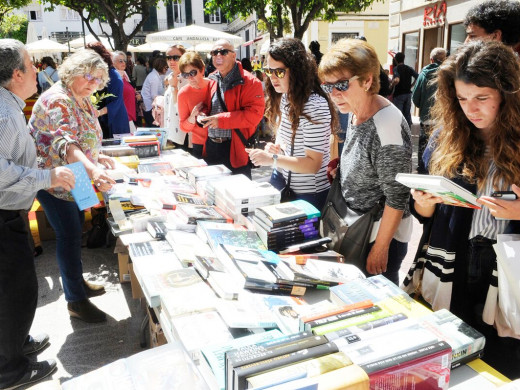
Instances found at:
x=248 y=43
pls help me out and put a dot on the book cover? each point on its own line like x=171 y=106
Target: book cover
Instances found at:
x=278 y=214
x=189 y=198
x=157 y=230
x=176 y=184
x=225 y=285
x=215 y=353
x=250 y=262
x=241 y=314
x=451 y=193
x=366 y=326
x=83 y=192
x=195 y=174
x=306 y=369
x=150 y=249
x=326 y=272
x=357 y=320
x=161 y=167
x=233 y=237
x=191 y=213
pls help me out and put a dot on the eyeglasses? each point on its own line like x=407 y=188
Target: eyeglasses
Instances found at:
x=121 y=61
x=278 y=72
x=341 y=86
x=191 y=73
x=222 y=52
x=91 y=78
x=175 y=58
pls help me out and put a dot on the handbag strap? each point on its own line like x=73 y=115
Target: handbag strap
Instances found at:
x=290 y=172
x=224 y=107
x=380 y=203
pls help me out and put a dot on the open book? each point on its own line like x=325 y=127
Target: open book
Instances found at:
x=451 y=193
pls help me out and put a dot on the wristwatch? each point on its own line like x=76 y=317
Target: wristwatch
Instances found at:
x=275 y=160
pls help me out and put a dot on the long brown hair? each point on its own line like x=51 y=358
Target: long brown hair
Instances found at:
x=303 y=81
x=458 y=151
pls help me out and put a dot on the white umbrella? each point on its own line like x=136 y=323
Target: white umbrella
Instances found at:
x=149 y=47
x=44 y=33
x=193 y=35
x=79 y=42
x=203 y=47
x=46 y=46
x=32 y=35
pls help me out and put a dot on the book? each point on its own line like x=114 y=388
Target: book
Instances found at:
x=305 y=369
x=191 y=213
x=203 y=226
x=238 y=238
x=161 y=167
x=249 y=263
x=325 y=272
x=157 y=230
x=215 y=353
x=365 y=326
x=189 y=198
x=83 y=192
x=195 y=174
x=242 y=314
x=150 y=249
x=288 y=316
x=451 y=193
x=283 y=213
x=363 y=318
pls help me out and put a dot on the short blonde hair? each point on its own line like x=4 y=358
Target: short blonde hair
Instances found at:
x=79 y=64
x=355 y=56
x=191 y=58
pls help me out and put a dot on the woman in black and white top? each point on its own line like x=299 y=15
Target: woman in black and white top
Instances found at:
x=301 y=110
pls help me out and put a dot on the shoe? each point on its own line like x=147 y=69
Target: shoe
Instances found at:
x=93 y=290
x=35 y=371
x=35 y=344
x=86 y=311
x=38 y=250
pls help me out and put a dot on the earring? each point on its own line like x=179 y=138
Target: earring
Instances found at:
x=366 y=89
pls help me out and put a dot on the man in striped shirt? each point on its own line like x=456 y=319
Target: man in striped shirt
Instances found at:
x=19 y=182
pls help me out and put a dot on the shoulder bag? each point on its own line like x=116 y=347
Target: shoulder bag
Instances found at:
x=287 y=194
x=349 y=230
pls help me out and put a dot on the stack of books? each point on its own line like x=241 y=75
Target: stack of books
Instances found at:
x=285 y=224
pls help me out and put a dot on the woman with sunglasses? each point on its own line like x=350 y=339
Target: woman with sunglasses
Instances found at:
x=377 y=147
x=65 y=128
x=303 y=114
x=120 y=60
x=194 y=99
x=174 y=83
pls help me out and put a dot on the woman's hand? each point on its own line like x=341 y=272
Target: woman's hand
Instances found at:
x=260 y=158
x=106 y=161
x=62 y=177
x=503 y=209
x=425 y=202
x=101 y=180
x=195 y=113
x=173 y=81
x=273 y=148
x=377 y=259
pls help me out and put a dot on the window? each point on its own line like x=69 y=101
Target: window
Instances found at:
x=177 y=12
x=215 y=17
x=411 y=49
x=337 y=36
x=457 y=36
x=34 y=15
x=68 y=14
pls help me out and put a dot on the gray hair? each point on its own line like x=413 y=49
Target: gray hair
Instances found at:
x=12 y=53
x=118 y=53
x=438 y=54
x=79 y=64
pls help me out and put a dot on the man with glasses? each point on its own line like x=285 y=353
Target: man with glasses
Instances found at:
x=19 y=182
x=237 y=107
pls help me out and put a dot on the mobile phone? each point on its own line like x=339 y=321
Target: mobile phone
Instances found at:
x=505 y=195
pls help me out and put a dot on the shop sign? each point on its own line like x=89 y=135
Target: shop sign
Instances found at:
x=435 y=15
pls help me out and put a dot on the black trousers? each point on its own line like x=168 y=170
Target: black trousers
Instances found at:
x=219 y=153
x=18 y=295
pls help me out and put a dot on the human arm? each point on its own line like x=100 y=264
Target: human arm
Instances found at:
x=500 y=208
x=101 y=180
x=310 y=163
x=187 y=111
x=419 y=90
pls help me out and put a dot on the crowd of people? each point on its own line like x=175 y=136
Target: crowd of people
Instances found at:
x=469 y=107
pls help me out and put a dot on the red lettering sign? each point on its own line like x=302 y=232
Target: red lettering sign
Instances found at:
x=436 y=15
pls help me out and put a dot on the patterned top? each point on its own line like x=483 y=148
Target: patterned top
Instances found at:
x=58 y=120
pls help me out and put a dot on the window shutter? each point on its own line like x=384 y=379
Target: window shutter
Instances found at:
x=206 y=16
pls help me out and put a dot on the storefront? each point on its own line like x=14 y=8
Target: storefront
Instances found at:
x=418 y=26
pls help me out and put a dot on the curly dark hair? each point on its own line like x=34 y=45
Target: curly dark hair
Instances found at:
x=458 y=151
x=493 y=15
x=99 y=48
x=303 y=81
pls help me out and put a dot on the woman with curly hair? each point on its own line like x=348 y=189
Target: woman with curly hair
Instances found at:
x=304 y=115
x=477 y=146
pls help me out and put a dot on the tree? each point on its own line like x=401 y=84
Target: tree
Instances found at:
x=112 y=12
x=14 y=26
x=300 y=12
x=6 y=6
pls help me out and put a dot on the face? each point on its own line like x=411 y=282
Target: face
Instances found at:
x=28 y=86
x=120 y=62
x=480 y=104
x=195 y=76
x=81 y=86
x=477 y=33
x=354 y=93
x=223 y=62
x=280 y=84
x=172 y=57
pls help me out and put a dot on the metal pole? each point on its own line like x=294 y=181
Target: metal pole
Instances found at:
x=83 y=28
x=68 y=37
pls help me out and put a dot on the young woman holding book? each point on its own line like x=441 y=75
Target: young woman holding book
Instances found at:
x=477 y=110
x=377 y=147
x=304 y=116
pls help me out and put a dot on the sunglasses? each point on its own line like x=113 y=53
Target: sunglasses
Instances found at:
x=191 y=73
x=341 y=86
x=175 y=57
x=222 y=52
x=278 y=72
x=121 y=61
x=91 y=78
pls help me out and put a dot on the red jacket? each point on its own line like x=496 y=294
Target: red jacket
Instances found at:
x=188 y=98
x=246 y=104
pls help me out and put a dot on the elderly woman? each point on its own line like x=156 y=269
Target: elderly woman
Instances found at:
x=194 y=99
x=153 y=86
x=119 y=60
x=304 y=113
x=65 y=128
x=116 y=119
x=377 y=147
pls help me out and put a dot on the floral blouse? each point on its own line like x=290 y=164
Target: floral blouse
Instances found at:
x=59 y=120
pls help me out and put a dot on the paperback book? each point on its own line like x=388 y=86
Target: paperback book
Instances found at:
x=83 y=192
x=284 y=213
x=191 y=213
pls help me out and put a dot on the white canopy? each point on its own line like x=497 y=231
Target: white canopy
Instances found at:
x=46 y=46
x=79 y=42
x=149 y=47
x=32 y=35
x=193 y=35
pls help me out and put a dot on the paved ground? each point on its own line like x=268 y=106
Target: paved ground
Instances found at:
x=79 y=347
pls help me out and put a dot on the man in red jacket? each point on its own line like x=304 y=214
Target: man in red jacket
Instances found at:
x=240 y=106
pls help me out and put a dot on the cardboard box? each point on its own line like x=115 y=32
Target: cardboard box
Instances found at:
x=124 y=269
x=44 y=227
x=157 y=337
x=137 y=292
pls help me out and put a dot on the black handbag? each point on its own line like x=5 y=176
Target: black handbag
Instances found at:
x=349 y=230
x=287 y=194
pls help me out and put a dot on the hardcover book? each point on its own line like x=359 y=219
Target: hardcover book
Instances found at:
x=325 y=272
x=161 y=167
x=83 y=192
x=238 y=238
x=283 y=213
x=195 y=174
x=191 y=213
x=451 y=193
x=189 y=198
